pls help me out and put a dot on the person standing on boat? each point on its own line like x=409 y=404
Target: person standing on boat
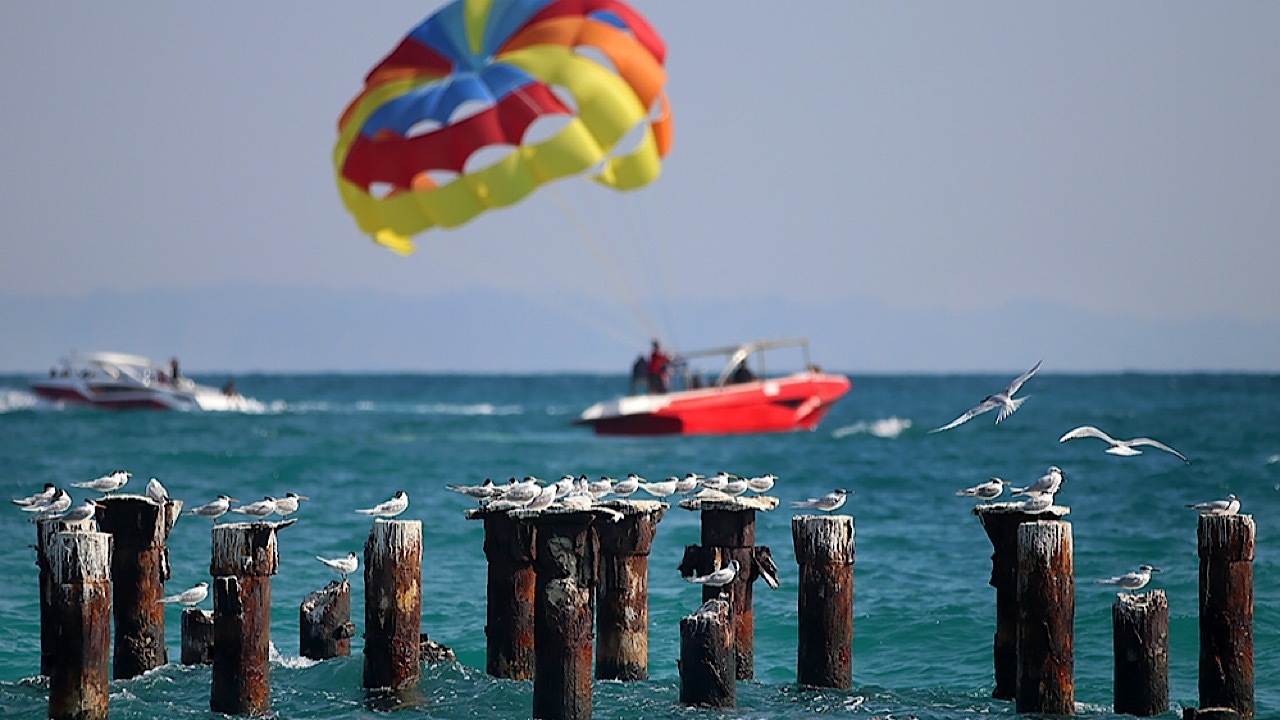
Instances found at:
x=639 y=375
x=658 y=365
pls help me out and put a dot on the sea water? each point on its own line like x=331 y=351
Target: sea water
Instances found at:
x=924 y=614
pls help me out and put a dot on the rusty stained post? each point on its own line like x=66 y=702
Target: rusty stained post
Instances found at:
x=729 y=533
x=564 y=561
x=1140 y=635
x=139 y=569
x=244 y=559
x=1001 y=521
x=393 y=605
x=80 y=624
x=708 y=675
x=825 y=553
x=508 y=548
x=622 y=610
x=197 y=636
x=324 y=622
x=1046 y=613
x=1227 y=544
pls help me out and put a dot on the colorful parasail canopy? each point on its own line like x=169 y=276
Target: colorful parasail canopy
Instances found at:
x=478 y=75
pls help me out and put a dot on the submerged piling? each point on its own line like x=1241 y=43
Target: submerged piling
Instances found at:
x=197 y=636
x=1046 y=613
x=508 y=549
x=622 y=610
x=324 y=622
x=824 y=550
x=1001 y=521
x=393 y=604
x=1226 y=545
x=139 y=568
x=708 y=675
x=244 y=559
x=80 y=624
x=564 y=562
x=1140 y=635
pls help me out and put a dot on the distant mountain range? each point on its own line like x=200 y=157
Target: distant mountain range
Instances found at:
x=242 y=329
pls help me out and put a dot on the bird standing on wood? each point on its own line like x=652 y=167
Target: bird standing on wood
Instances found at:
x=344 y=566
x=106 y=484
x=189 y=598
x=391 y=508
x=1135 y=580
x=827 y=503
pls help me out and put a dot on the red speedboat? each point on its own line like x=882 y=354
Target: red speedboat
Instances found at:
x=739 y=400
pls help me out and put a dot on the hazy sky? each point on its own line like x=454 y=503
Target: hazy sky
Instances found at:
x=1114 y=157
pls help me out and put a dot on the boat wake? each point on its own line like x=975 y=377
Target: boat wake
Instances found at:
x=14 y=400
x=890 y=427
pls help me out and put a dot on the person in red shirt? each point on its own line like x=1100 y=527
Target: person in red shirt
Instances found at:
x=658 y=362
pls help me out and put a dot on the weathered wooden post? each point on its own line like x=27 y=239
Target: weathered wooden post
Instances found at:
x=197 y=636
x=824 y=551
x=244 y=559
x=139 y=569
x=80 y=624
x=393 y=605
x=324 y=622
x=1140 y=634
x=708 y=674
x=1046 y=613
x=564 y=562
x=1001 y=521
x=622 y=610
x=1226 y=545
x=508 y=548
x=729 y=533
x=45 y=528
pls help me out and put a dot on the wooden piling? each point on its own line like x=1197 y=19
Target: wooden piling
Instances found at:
x=622 y=610
x=564 y=562
x=244 y=559
x=324 y=622
x=80 y=624
x=197 y=636
x=139 y=569
x=1046 y=613
x=824 y=550
x=1001 y=521
x=393 y=605
x=1226 y=544
x=708 y=675
x=729 y=533
x=1140 y=635
x=508 y=548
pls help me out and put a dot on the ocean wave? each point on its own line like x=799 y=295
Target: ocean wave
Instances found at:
x=13 y=400
x=890 y=427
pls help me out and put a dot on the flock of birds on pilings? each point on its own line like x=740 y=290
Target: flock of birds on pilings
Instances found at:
x=580 y=493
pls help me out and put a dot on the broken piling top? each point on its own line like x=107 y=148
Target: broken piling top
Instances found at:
x=985 y=510
x=76 y=558
x=732 y=504
x=138 y=505
x=245 y=549
x=823 y=539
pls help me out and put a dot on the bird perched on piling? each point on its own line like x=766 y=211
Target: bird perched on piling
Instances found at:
x=543 y=499
x=1131 y=581
x=688 y=483
x=80 y=513
x=628 y=486
x=344 y=566
x=41 y=498
x=521 y=492
x=482 y=491
x=662 y=488
x=258 y=510
x=190 y=597
x=156 y=492
x=59 y=504
x=1037 y=503
x=1123 y=448
x=1004 y=400
x=106 y=484
x=989 y=490
x=761 y=484
x=1049 y=484
x=827 y=503
x=1230 y=506
x=214 y=509
x=719 y=578
x=288 y=504
x=391 y=508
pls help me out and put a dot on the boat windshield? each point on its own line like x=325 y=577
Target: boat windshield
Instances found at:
x=736 y=364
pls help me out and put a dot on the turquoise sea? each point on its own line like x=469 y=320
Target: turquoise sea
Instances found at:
x=924 y=614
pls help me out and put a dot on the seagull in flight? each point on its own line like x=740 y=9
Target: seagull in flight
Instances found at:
x=390 y=508
x=191 y=597
x=1230 y=506
x=1004 y=400
x=1131 y=581
x=831 y=501
x=108 y=483
x=989 y=490
x=344 y=566
x=1124 y=448
x=719 y=578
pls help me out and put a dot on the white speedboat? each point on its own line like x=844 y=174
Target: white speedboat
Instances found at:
x=118 y=381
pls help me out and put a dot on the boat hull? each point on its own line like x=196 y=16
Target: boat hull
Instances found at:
x=777 y=405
